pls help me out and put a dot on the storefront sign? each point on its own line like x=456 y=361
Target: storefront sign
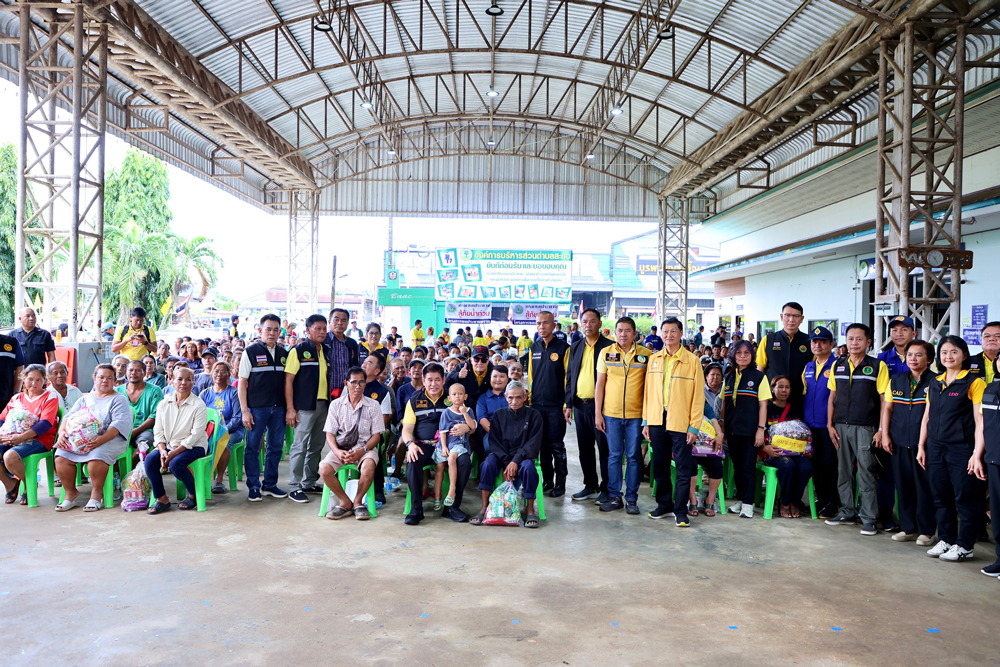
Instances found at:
x=524 y=276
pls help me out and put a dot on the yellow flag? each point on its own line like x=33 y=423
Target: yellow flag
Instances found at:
x=38 y=304
x=166 y=305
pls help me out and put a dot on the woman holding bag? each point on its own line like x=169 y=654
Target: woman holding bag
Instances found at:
x=793 y=472
x=33 y=407
x=744 y=415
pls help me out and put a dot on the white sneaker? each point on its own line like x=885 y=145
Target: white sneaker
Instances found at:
x=957 y=554
x=736 y=509
x=939 y=549
x=747 y=511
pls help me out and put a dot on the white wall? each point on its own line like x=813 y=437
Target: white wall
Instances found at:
x=827 y=291
x=980 y=285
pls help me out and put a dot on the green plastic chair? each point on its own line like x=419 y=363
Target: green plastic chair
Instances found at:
x=344 y=473
x=445 y=485
x=31 y=464
x=285 y=448
x=124 y=463
x=769 y=475
x=202 y=468
x=539 y=494
x=236 y=457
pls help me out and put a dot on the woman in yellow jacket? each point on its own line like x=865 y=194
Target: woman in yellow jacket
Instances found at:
x=673 y=409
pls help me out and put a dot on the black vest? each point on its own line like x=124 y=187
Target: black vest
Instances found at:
x=907 y=409
x=991 y=422
x=428 y=415
x=548 y=372
x=8 y=362
x=741 y=409
x=977 y=365
x=951 y=421
x=266 y=386
x=857 y=402
x=376 y=391
x=364 y=352
x=305 y=386
x=789 y=358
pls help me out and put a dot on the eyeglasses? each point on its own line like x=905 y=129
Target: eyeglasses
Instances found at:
x=356 y=383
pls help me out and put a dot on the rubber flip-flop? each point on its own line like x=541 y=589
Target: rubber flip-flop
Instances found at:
x=66 y=505
x=531 y=521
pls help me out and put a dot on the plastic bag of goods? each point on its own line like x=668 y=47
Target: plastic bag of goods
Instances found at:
x=506 y=505
x=81 y=429
x=790 y=438
x=704 y=444
x=18 y=421
x=135 y=497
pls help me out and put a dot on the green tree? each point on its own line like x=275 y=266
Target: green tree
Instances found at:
x=195 y=259
x=8 y=231
x=139 y=189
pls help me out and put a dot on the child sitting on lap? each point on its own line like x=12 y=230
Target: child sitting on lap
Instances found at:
x=450 y=447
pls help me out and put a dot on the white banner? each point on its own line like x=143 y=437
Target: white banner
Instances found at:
x=526 y=313
x=538 y=276
x=468 y=313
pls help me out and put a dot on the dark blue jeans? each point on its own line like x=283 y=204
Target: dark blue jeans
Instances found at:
x=624 y=439
x=527 y=476
x=271 y=420
x=178 y=466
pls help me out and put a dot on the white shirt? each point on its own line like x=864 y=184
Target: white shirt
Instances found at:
x=73 y=395
x=181 y=424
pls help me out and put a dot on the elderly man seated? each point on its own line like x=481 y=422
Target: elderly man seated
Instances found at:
x=353 y=428
x=515 y=438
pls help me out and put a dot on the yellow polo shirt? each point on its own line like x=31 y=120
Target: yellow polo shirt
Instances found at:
x=133 y=352
x=585 y=380
x=625 y=385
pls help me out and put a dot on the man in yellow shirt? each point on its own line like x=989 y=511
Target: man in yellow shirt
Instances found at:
x=581 y=381
x=417 y=334
x=307 y=401
x=135 y=340
x=621 y=377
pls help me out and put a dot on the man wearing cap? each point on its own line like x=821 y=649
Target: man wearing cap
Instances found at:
x=37 y=345
x=548 y=360
x=984 y=364
x=786 y=352
x=901 y=332
x=815 y=382
x=203 y=379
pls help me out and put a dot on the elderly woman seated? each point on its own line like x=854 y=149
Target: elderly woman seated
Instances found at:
x=515 y=439
x=179 y=439
x=112 y=411
x=222 y=396
x=27 y=426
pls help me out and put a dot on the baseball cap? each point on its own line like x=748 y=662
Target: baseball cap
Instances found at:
x=414 y=362
x=902 y=319
x=212 y=351
x=480 y=350
x=820 y=333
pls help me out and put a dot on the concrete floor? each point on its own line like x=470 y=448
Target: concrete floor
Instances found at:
x=272 y=584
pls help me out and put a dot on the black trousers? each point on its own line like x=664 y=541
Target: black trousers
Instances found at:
x=885 y=490
x=916 y=500
x=553 y=452
x=586 y=437
x=956 y=492
x=744 y=456
x=666 y=446
x=824 y=462
x=415 y=479
x=993 y=476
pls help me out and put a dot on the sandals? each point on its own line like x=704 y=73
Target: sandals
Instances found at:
x=361 y=513
x=437 y=505
x=692 y=509
x=531 y=521
x=449 y=501
x=158 y=508
x=66 y=505
x=478 y=519
x=339 y=512
x=10 y=496
x=785 y=512
x=710 y=510
x=794 y=512
x=23 y=500
x=188 y=503
x=93 y=506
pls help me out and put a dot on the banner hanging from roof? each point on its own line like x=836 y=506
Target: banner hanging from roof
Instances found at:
x=525 y=276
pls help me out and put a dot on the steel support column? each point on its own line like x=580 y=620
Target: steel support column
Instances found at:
x=921 y=110
x=303 y=251
x=60 y=186
x=672 y=260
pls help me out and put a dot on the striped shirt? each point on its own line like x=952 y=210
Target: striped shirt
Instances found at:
x=342 y=418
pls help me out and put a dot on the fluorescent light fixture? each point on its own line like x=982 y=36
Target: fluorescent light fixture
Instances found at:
x=366 y=105
x=617 y=111
x=828 y=253
x=494 y=9
x=666 y=32
x=491 y=143
x=590 y=156
x=491 y=93
x=390 y=152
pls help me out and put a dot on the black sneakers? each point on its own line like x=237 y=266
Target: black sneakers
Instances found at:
x=612 y=505
x=585 y=494
x=660 y=513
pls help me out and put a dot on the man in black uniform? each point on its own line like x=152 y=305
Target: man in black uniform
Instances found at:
x=786 y=352
x=984 y=364
x=37 y=345
x=262 y=398
x=11 y=365
x=420 y=424
x=548 y=360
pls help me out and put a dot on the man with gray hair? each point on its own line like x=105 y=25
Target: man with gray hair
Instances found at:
x=515 y=439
